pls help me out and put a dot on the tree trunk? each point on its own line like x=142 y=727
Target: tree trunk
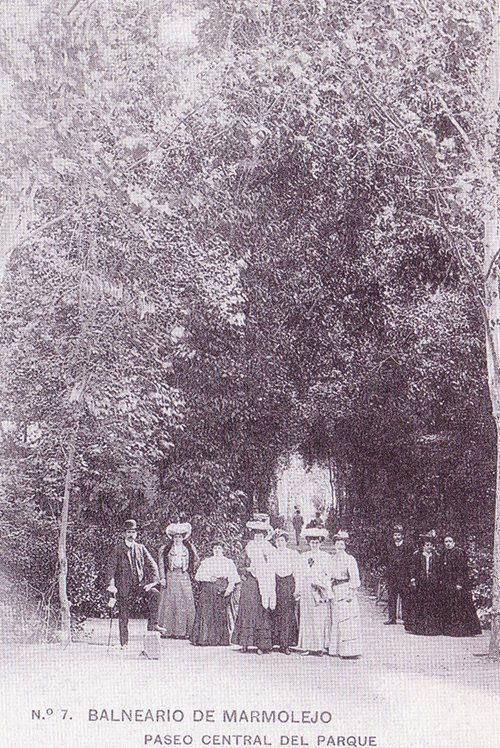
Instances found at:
x=492 y=304
x=332 y=476
x=65 y=631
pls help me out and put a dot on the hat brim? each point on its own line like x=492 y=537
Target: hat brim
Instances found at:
x=183 y=529
x=258 y=526
x=315 y=533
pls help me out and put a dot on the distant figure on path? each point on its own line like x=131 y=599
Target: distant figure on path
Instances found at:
x=397 y=563
x=317 y=521
x=126 y=577
x=425 y=593
x=298 y=524
x=178 y=559
x=458 y=612
x=345 y=622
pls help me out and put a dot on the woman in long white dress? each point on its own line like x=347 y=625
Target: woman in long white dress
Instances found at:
x=345 y=622
x=314 y=592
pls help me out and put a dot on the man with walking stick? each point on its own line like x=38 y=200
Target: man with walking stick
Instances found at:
x=126 y=578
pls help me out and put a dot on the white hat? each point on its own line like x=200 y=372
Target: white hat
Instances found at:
x=341 y=535
x=179 y=528
x=315 y=532
x=260 y=522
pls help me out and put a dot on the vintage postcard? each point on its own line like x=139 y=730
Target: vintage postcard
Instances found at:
x=250 y=393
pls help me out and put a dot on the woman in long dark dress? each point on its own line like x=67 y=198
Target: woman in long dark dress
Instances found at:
x=285 y=628
x=253 y=627
x=177 y=561
x=218 y=577
x=459 y=614
x=425 y=602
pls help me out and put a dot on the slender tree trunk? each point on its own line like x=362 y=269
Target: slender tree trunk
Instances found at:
x=492 y=302
x=65 y=633
x=332 y=473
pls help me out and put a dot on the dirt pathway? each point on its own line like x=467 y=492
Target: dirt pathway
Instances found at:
x=406 y=691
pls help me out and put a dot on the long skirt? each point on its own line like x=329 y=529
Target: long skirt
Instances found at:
x=253 y=625
x=314 y=623
x=424 y=610
x=345 y=628
x=459 y=617
x=176 y=612
x=211 y=625
x=285 y=629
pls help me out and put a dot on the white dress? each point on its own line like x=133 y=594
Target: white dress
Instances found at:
x=345 y=623
x=315 y=592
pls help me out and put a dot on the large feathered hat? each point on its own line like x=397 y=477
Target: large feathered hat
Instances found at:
x=179 y=528
x=260 y=522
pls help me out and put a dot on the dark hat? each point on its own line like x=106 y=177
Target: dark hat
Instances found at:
x=398 y=528
x=130 y=524
x=217 y=541
x=279 y=533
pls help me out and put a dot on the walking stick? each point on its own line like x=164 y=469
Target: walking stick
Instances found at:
x=111 y=607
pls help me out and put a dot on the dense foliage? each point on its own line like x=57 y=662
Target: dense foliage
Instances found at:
x=220 y=248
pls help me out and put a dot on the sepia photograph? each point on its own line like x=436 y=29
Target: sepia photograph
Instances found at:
x=250 y=373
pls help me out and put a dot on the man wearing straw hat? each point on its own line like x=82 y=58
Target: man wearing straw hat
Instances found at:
x=126 y=577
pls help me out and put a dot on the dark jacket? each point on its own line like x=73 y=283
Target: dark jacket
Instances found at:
x=397 y=562
x=128 y=567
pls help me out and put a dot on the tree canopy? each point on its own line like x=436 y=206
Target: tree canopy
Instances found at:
x=260 y=235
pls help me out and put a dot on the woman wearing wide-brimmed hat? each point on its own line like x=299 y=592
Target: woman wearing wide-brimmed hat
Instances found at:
x=286 y=562
x=177 y=561
x=314 y=592
x=253 y=627
x=218 y=578
x=345 y=625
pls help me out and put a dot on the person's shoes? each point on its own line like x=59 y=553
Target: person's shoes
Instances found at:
x=389 y=623
x=243 y=650
x=287 y=651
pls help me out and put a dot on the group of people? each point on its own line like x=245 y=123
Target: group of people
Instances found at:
x=273 y=596
x=431 y=588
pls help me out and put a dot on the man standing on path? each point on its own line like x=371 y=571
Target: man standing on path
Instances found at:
x=298 y=524
x=126 y=578
x=397 y=573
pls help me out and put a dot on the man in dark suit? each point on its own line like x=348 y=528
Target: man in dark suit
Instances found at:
x=298 y=524
x=397 y=573
x=127 y=578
